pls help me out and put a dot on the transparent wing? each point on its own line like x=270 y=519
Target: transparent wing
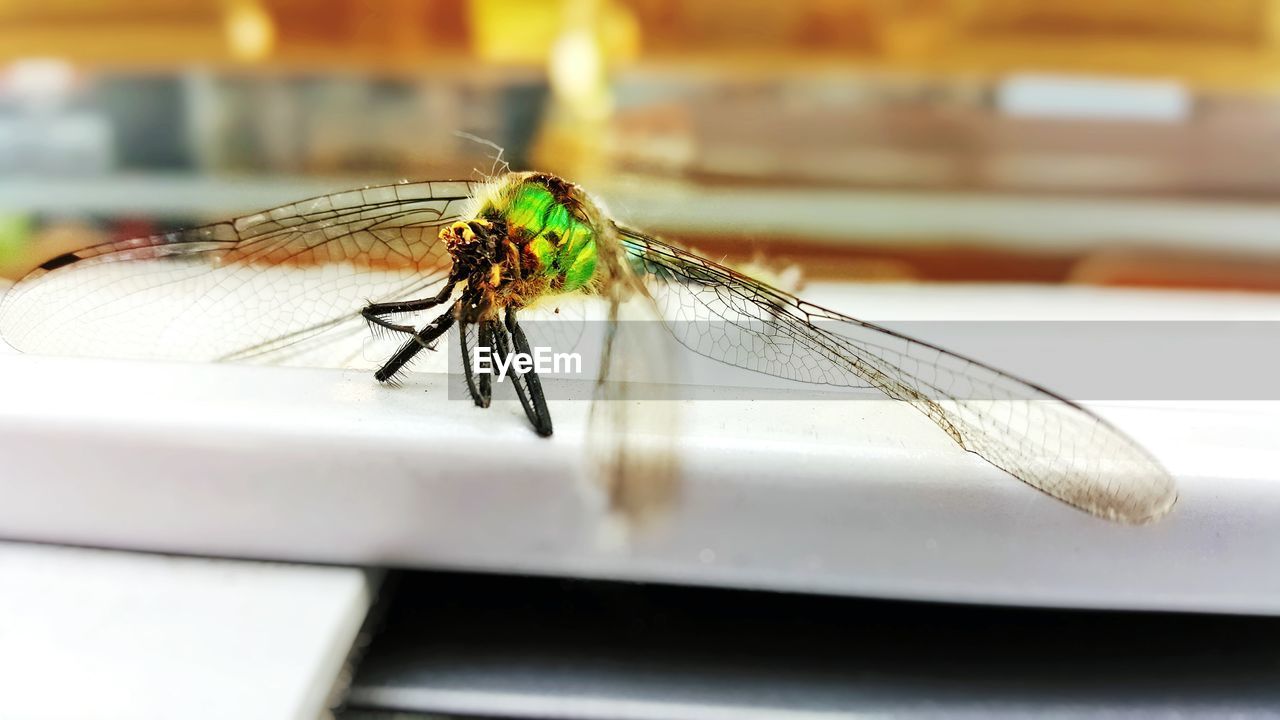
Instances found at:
x=633 y=428
x=1038 y=437
x=283 y=286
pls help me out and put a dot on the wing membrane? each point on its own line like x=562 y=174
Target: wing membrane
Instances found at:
x=281 y=286
x=286 y=286
x=1041 y=438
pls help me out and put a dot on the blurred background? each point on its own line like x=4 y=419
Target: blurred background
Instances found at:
x=1127 y=143
x=1118 y=142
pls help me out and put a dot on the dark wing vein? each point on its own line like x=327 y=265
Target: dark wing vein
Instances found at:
x=1035 y=435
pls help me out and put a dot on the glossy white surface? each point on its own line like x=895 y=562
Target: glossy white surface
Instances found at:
x=861 y=497
x=98 y=634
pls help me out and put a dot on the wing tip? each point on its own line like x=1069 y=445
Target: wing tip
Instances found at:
x=1143 y=509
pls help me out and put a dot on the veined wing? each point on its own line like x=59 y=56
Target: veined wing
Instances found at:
x=281 y=286
x=1038 y=437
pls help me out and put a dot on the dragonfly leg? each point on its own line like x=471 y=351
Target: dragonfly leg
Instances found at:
x=373 y=312
x=530 y=391
x=479 y=384
x=422 y=339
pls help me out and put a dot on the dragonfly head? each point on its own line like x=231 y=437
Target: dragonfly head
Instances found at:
x=471 y=239
x=474 y=245
x=493 y=261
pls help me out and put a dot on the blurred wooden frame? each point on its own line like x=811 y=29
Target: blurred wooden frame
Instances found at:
x=1223 y=43
x=359 y=34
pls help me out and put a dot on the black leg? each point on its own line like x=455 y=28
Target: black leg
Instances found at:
x=528 y=386
x=480 y=387
x=421 y=339
x=537 y=415
x=485 y=381
x=373 y=311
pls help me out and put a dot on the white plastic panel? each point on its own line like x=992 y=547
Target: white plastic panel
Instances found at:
x=863 y=498
x=97 y=634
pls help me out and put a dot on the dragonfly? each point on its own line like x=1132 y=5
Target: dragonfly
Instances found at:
x=478 y=256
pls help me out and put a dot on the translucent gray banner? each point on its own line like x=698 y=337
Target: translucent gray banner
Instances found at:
x=1121 y=360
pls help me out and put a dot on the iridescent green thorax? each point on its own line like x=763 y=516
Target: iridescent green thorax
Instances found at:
x=554 y=234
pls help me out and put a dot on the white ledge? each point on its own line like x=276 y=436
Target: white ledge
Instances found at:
x=859 y=497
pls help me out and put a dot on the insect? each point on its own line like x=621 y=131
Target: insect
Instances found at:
x=479 y=255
